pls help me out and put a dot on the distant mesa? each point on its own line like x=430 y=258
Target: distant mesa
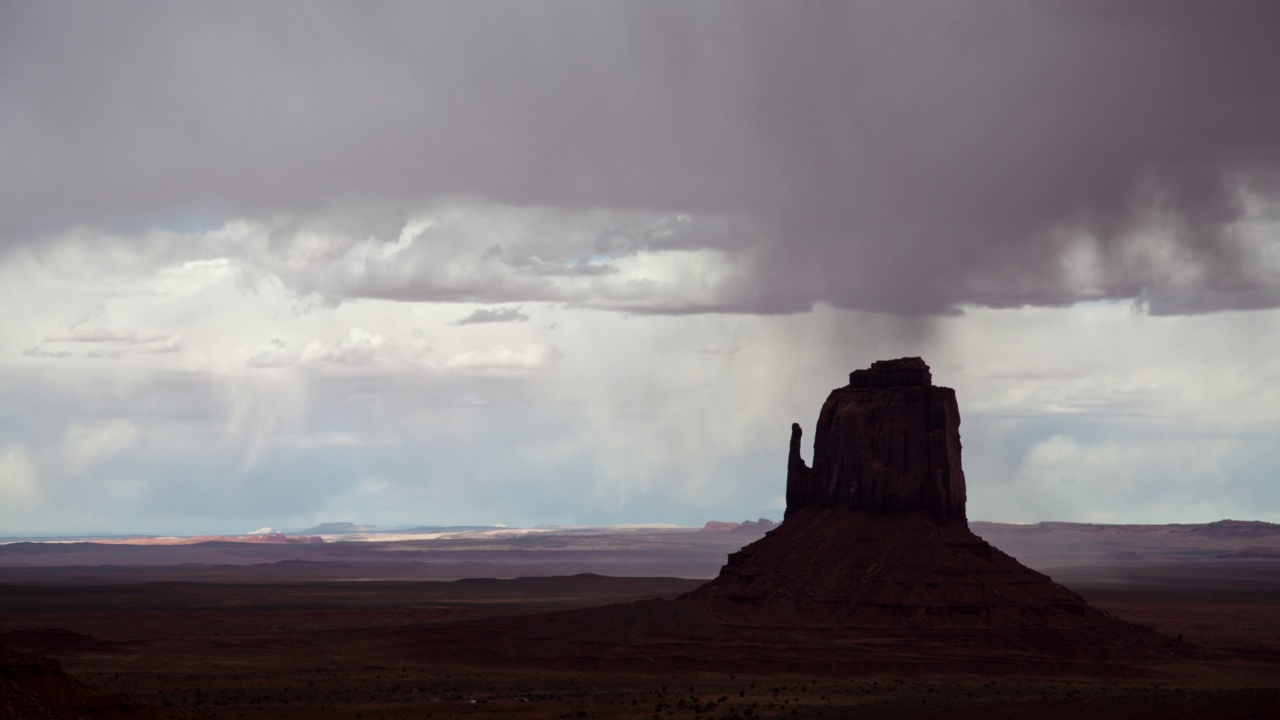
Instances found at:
x=1237 y=529
x=349 y=528
x=338 y=528
x=274 y=538
x=746 y=527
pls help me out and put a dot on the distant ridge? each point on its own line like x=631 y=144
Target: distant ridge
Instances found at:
x=338 y=528
x=1217 y=528
x=348 y=528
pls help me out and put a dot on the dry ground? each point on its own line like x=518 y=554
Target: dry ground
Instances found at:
x=347 y=650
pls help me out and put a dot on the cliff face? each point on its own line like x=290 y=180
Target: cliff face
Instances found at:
x=876 y=537
x=887 y=442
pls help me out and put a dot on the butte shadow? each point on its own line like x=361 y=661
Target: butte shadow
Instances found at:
x=874 y=569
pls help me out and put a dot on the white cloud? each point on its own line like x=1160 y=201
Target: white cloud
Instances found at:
x=626 y=416
x=106 y=341
x=96 y=330
x=501 y=357
x=301 y=317
x=39 y=352
x=359 y=348
x=479 y=251
x=276 y=355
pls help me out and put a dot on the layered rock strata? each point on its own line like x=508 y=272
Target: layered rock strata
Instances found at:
x=888 y=441
x=875 y=534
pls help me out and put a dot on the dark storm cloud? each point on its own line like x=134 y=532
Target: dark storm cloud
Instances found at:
x=897 y=156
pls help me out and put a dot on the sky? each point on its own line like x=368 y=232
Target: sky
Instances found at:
x=281 y=263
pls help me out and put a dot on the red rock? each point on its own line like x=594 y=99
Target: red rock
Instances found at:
x=894 y=570
x=746 y=527
x=875 y=536
x=37 y=687
x=718 y=528
x=887 y=442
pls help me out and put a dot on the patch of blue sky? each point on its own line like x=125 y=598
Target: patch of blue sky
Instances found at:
x=189 y=221
x=1102 y=303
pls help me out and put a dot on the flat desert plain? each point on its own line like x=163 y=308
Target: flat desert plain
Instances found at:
x=439 y=626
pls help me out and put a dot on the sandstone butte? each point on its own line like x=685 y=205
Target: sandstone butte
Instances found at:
x=888 y=441
x=875 y=533
x=873 y=569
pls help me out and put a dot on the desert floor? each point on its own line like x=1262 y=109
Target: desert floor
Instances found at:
x=355 y=650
